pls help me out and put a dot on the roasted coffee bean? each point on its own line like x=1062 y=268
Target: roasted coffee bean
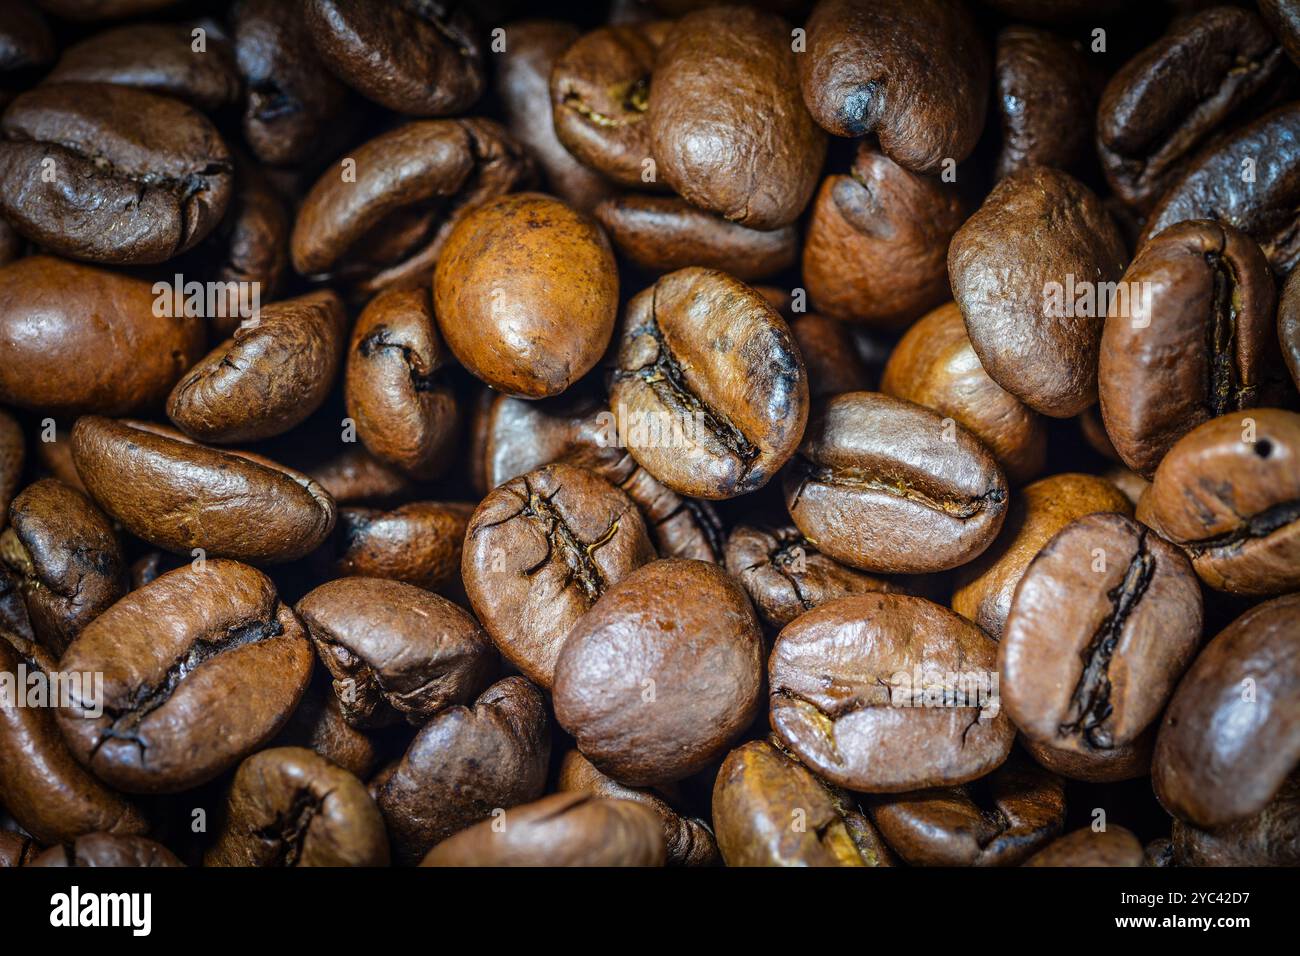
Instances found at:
x=877 y=245
x=159 y=58
x=689 y=840
x=396 y=392
x=526 y=293
x=1201 y=344
x=274 y=372
x=1159 y=852
x=1165 y=103
x=913 y=72
x=662 y=674
x=1127 y=762
x=1230 y=737
x=1288 y=324
x=138 y=177
x=934 y=365
x=709 y=385
x=354 y=475
x=66 y=559
x=109 y=850
x=318 y=724
x=395 y=651
x=1001 y=820
x=600 y=95
x=1270 y=837
x=288 y=807
x=1130 y=483
x=201 y=668
x=1111 y=847
x=1103 y=623
x=387 y=224
x=830 y=356
x=717 y=66
x=564 y=829
x=412 y=56
x=785 y=575
x=466 y=764
x=1023 y=270
x=663 y=233
x=540 y=551
x=182 y=496
x=1229 y=494
x=758 y=795
x=419 y=543
x=50 y=794
x=888 y=486
x=1283 y=17
x=80 y=339
x=16 y=849
x=1262 y=206
x=13 y=455
x=886 y=693
x=985 y=587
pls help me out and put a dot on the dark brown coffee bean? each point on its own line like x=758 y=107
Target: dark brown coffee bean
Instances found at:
x=1202 y=344
x=1270 y=837
x=13 y=454
x=769 y=810
x=1229 y=494
x=1015 y=267
x=1111 y=847
x=66 y=558
x=985 y=587
x=137 y=177
x=287 y=807
x=26 y=41
x=274 y=372
x=564 y=829
x=99 y=347
x=16 y=849
x=916 y=74
x=541 y=549
x=1000 y=820
x=318 y=725
x=109 y=850
x=353 y=475
x=419 y=543
x=718 y=71
x=49 y=793
x=1103 y=623
x=180 y=495
x=1288 y=324
x=1231 y=737
x=662 y=674
x=1283 y=17
x=709 y=385
x=466 y=765
x=1159 y=852
x=877 y=244
x=405 y=410
x=934 y=365
x=394 y=650
x=888 y=486
x=886 y=693
x=1126 y=762
x=830 y=356
x=201 y=668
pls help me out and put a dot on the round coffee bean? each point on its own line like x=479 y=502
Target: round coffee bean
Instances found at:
x=1270 y=837
x=109 y=850
x=1111 y=847
x=419 y=543
x=1125 y=762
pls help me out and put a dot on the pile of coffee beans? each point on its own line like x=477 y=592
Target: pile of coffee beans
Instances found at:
x=838 y=433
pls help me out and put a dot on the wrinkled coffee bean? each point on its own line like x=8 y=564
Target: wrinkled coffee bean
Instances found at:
x=1270 y=837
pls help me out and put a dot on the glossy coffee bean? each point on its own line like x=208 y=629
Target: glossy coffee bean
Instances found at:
x=770 y=810
x=98 y=346
x=662 y=674
x=877 y=245
x=181 y=495
x=540 y=551
x=422 y=59
x=715 y=67
x=851 y=683
x=49 y=793
x=465 y=765
x=354 y=476
x=201 y=668
x=1270 y=837
x=1229 y=494
x=1038 y=227
x=1113 y=847
x=564 y=829
x=16 y=849
x=1288 y=325
x=276 y=370
x=709 y=385
x=934 y=365
x=526 y=293
x=138 y=177
x=66 y=559
x=916 y=74
x=1230 y=737
x=109 y=850
x=418 y=543
x=394 y=650
x=1103 y=623
x=287 y=807
x=888 y=486
x=1125 y=762
x=985 y=587
x=1001 y=820
x=1204 y=345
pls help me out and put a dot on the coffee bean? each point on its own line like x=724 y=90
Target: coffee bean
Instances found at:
x=1288 y=325
x=419 y=543
x=109 y=850
x=1125 y=762
x=16 y=849
x=318 y=724
x=13 y=454
x=1283 y=18
x=830 y=356
x=1111 y=847
x=1270 y=837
